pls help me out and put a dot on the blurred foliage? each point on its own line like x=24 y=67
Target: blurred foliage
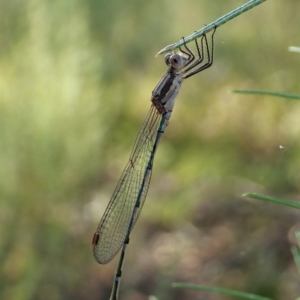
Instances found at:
x=75 y=82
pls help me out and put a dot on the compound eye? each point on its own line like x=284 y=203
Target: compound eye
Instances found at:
x=175 y=61
x=167 y=59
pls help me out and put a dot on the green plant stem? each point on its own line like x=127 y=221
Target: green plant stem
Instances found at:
x=273 y=199
x=222 y=20
x=270 y=93
x=222 y=291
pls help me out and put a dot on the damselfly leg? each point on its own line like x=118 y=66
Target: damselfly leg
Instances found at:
x=201 y=59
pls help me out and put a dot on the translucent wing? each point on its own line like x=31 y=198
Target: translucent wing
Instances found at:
x=132 y=186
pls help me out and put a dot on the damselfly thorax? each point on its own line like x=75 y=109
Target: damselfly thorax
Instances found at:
x=182 y=65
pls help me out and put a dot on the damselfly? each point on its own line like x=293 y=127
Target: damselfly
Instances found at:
x=125 y=205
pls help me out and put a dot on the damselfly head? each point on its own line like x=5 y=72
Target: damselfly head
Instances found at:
x=175 y=60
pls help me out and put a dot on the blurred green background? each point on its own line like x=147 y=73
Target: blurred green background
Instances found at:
x=75 y=85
